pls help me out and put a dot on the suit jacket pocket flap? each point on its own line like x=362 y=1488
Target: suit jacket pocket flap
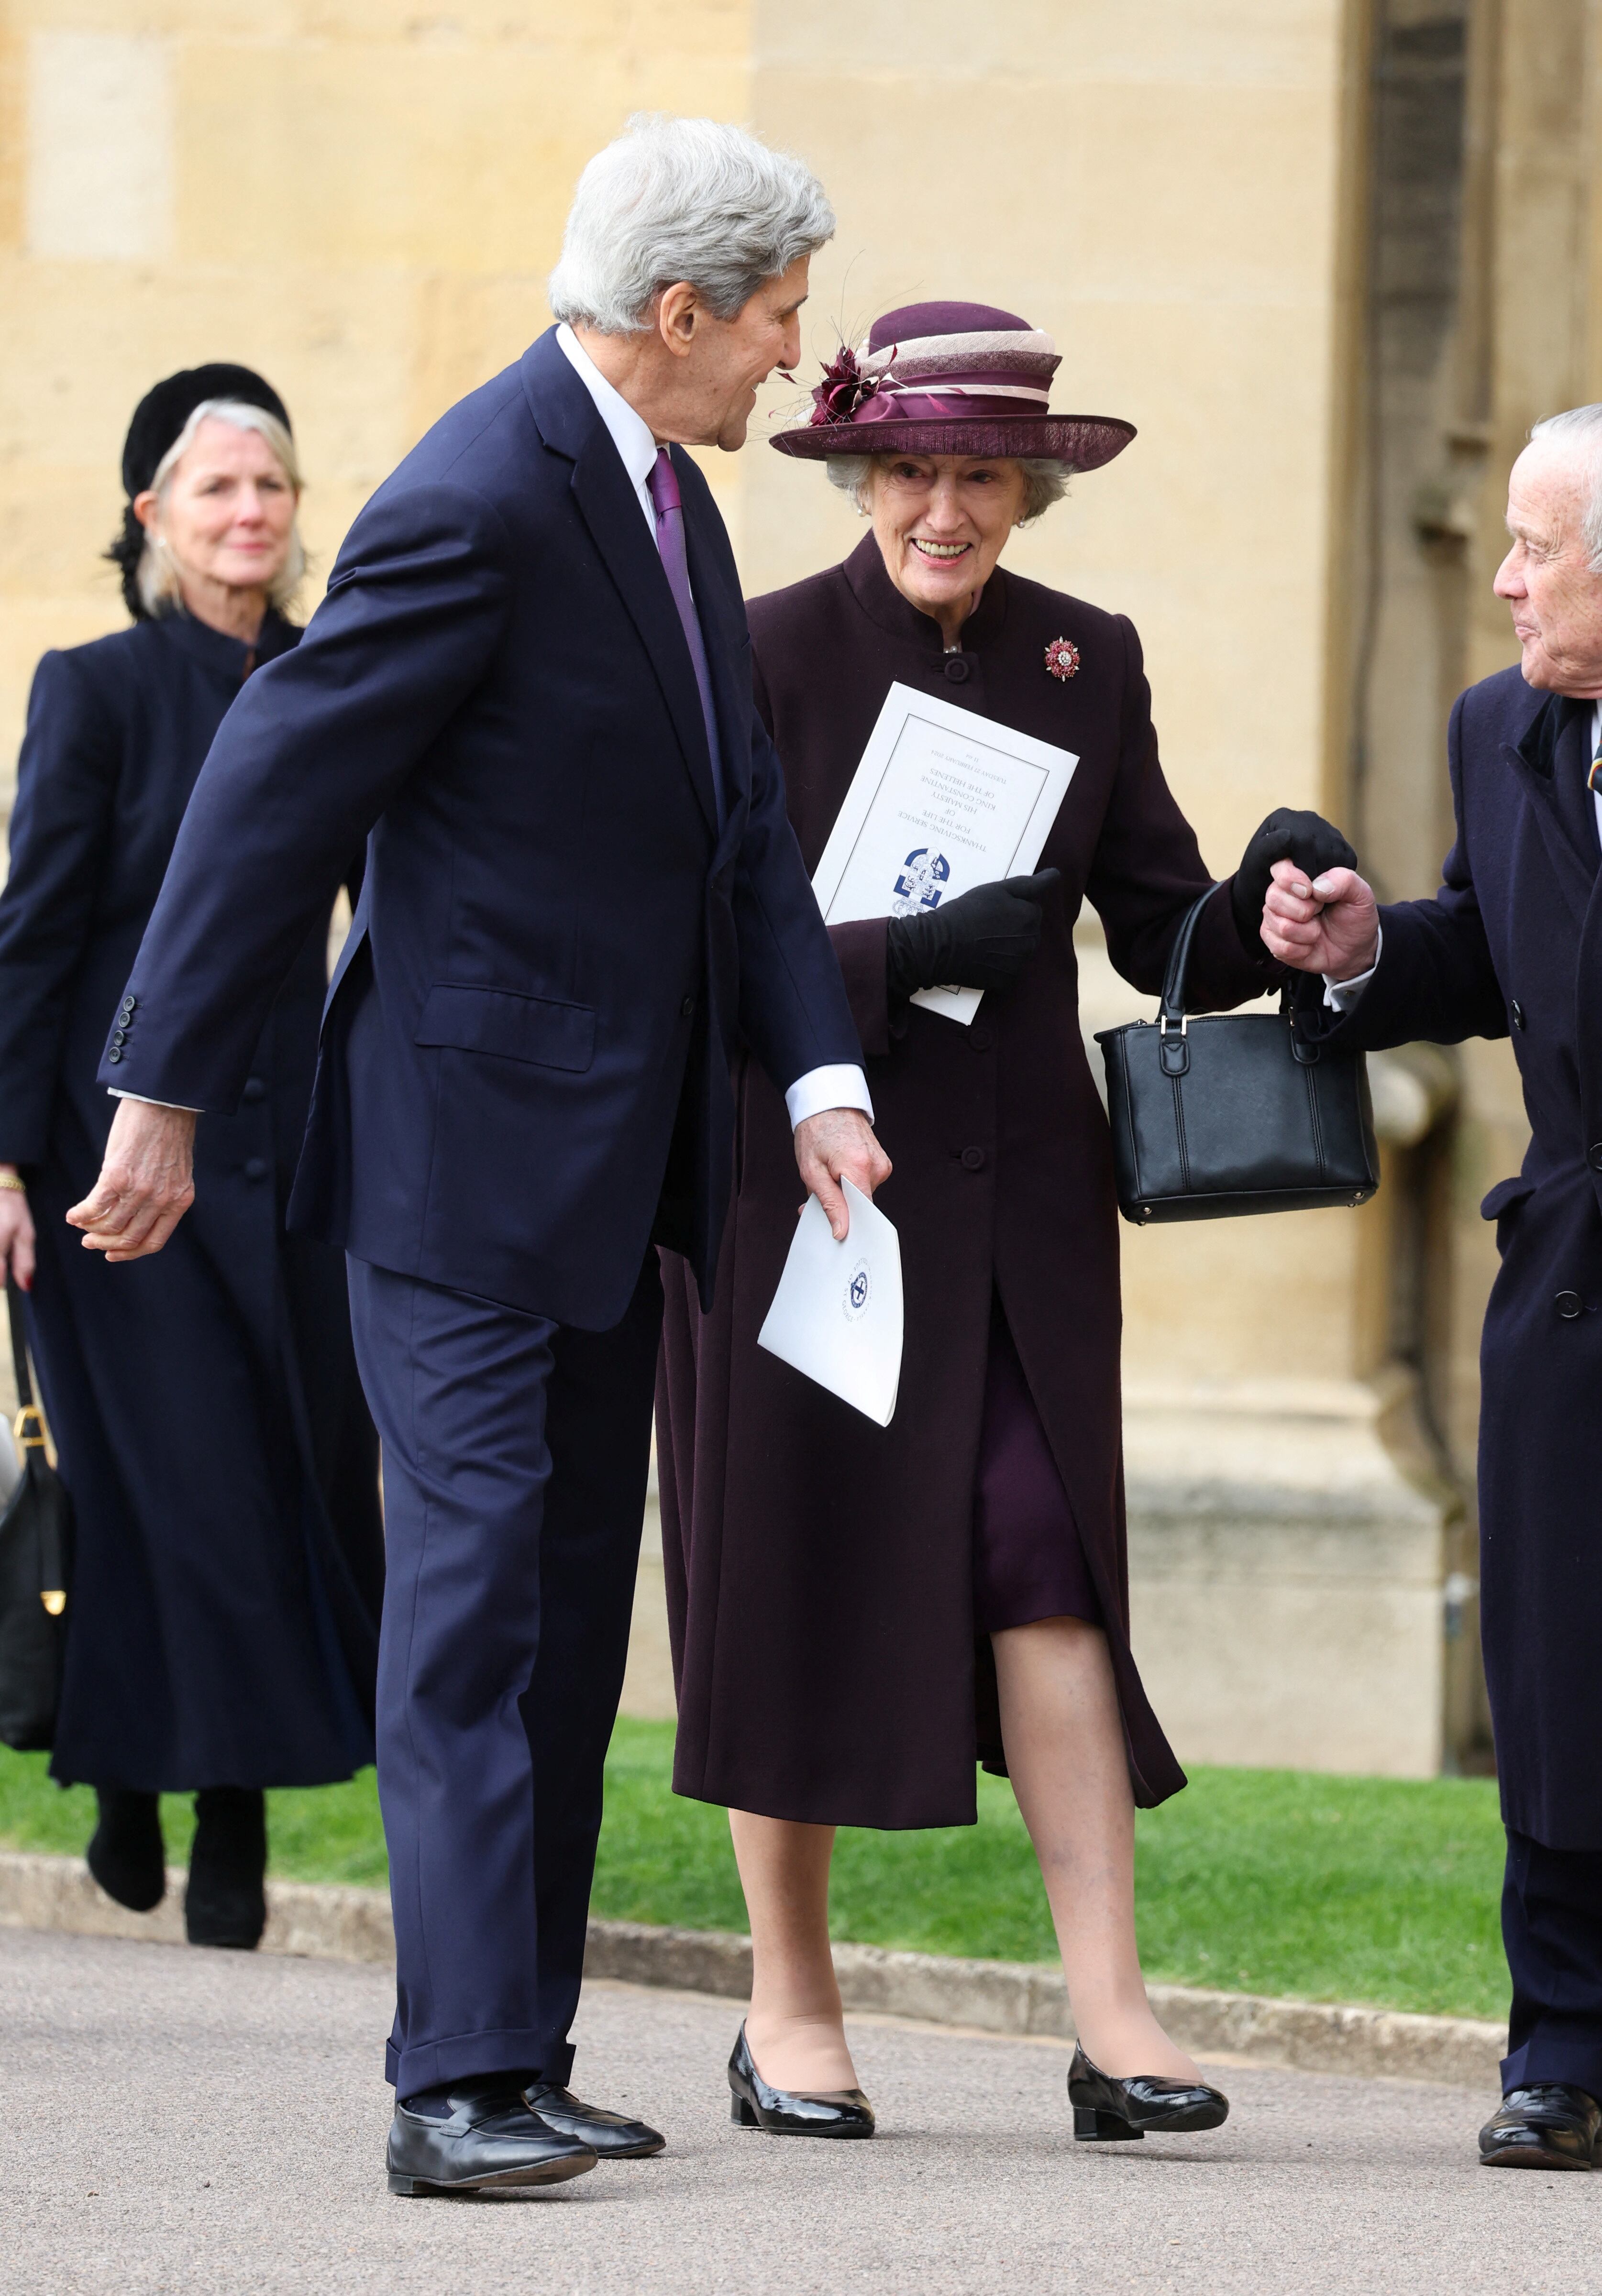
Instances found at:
x=508 y=1024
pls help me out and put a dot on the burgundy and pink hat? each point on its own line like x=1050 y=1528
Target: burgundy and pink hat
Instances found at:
x=950 y=379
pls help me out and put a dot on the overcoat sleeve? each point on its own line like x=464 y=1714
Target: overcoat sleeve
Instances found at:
x=793 y=1008
x=861 y=947
x=1147 y=870
x=60 y=828
x=1435 y=981
x=315 y=747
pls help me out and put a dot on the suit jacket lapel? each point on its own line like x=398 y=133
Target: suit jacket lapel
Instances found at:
x=568 y=421
x=1552 y=762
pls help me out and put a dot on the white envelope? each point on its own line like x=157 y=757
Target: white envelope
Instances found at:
x=837 y=1313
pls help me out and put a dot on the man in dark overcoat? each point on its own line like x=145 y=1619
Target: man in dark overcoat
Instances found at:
x=529 y=688
x=1512 y=945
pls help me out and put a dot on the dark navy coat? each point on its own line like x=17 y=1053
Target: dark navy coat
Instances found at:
x=1512 y=943
x=557 y=947
x=223 y=1623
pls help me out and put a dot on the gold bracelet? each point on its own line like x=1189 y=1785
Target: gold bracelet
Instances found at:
x=13 y=1180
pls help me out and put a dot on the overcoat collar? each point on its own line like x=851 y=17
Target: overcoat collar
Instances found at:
x=226 y=659
x=1551 y=761
x=883 y=603
x=570 y=424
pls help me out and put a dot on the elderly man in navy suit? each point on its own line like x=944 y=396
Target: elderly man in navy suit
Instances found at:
x=529 y=688
x=1512 y=944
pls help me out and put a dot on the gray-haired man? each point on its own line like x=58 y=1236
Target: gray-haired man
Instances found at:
x=530 y=687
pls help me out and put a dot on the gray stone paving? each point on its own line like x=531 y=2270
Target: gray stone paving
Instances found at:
x=190 y=2121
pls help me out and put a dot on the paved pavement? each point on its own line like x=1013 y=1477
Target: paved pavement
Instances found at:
x=178 y=2120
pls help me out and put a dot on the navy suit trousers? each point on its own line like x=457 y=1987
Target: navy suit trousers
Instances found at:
x=1552 y=1929
x=515 y=1456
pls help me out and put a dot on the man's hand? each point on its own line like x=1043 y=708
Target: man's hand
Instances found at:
x=16 y=1234
x=1314 y=844
x=1329 y=924
x=838 y=1143
x=146 y=1183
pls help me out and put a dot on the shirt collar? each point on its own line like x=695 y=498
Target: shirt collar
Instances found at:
x=631 y=435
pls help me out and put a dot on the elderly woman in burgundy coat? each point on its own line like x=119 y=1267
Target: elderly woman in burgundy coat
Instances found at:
x=860 y=1612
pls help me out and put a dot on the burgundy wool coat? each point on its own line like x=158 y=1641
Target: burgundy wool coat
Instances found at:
x=818 y=1568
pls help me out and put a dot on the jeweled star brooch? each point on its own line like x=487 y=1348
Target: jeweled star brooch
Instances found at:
x=1062 y=657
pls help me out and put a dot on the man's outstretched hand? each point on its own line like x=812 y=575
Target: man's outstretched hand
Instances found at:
x=146 y=1182
x=1328 y=925
x=837 y=1144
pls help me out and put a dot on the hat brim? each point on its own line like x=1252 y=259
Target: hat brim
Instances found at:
x=1080 y=442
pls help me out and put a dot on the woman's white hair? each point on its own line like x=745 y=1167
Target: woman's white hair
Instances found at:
x=1045 y=480
x=1580 y=430
x=157 y=574
x=683 y=199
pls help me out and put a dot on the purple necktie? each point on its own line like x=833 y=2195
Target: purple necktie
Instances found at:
x=676 y=565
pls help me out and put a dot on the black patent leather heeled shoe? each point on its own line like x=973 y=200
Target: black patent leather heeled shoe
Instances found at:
x=1108 y=2112
x=754 y=2104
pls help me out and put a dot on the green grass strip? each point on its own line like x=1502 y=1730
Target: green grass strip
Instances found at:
x=1278 y=1882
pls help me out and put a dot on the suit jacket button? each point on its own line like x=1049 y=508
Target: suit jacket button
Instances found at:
x=686 y=1008
x=957 y=669
x=115 y=1055
x=120 y=1036
x=256 y=1167
x=1517 y=1012
x=1569 y=1304
x=979 y=1040
x=254 y=1090
x=973 y=1159
x=1594 y=1156
x=127 y=1006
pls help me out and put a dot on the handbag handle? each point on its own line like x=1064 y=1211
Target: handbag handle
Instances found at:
x=1171 y=1011
x=29 y=1411
x=1171 y=1016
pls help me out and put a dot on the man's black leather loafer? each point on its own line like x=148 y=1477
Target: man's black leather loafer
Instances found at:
x=488 y=2141
x=609 y=2136
x=1549 y=2126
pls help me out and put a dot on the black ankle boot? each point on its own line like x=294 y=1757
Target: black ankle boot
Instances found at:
x=126 y=1854
x=226 y=1903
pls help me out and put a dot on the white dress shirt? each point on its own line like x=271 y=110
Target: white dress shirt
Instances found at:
x=842 y=1085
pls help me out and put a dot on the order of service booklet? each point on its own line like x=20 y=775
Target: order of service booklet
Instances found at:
x=837 y=1313
x=944 y=801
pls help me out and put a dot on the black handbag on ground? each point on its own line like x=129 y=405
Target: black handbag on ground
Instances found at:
x=35 y=1553
x=1232 y=1112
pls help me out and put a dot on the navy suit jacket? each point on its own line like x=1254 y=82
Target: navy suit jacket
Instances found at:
x=524 y=1071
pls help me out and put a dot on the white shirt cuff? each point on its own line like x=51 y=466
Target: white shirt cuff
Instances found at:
x=841 y=1086
x=145 y=1102
x=1341 y=996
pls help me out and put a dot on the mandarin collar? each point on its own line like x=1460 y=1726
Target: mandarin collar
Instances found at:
x=883 y=603
x=226 y=659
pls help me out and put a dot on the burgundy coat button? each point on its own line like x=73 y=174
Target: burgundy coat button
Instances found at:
x=973 y=1159
x=957 y=669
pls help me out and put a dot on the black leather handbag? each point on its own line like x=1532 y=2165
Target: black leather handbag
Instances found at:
x=1232 y=1112
x=35 y=1553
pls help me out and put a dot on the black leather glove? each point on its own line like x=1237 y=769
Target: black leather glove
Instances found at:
x=1307 y=838
x=981 y=939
